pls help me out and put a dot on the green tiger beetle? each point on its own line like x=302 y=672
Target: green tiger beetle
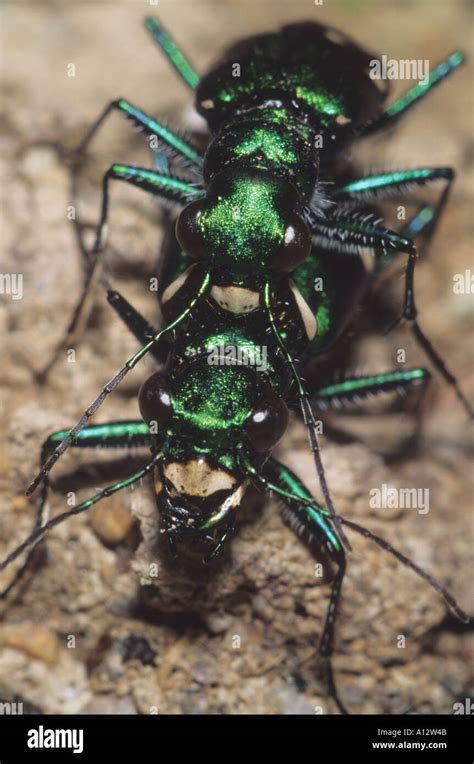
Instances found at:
x=264 y=215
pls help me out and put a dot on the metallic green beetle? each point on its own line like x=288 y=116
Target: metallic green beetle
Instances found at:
x=267 y=275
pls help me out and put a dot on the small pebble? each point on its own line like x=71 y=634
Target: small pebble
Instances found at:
x=111 y=521
x=34 y=640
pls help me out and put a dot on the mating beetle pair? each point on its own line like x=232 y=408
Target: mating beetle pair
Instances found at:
x=266 y=215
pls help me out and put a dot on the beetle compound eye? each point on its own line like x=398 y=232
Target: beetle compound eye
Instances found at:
x=188 y=231
x=267 y=423
x=154 y=400
x=296 y=245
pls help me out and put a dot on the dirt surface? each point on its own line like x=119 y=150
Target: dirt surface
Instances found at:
x=88 y=631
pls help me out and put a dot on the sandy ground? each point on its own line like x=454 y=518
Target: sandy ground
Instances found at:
x=87 y=632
